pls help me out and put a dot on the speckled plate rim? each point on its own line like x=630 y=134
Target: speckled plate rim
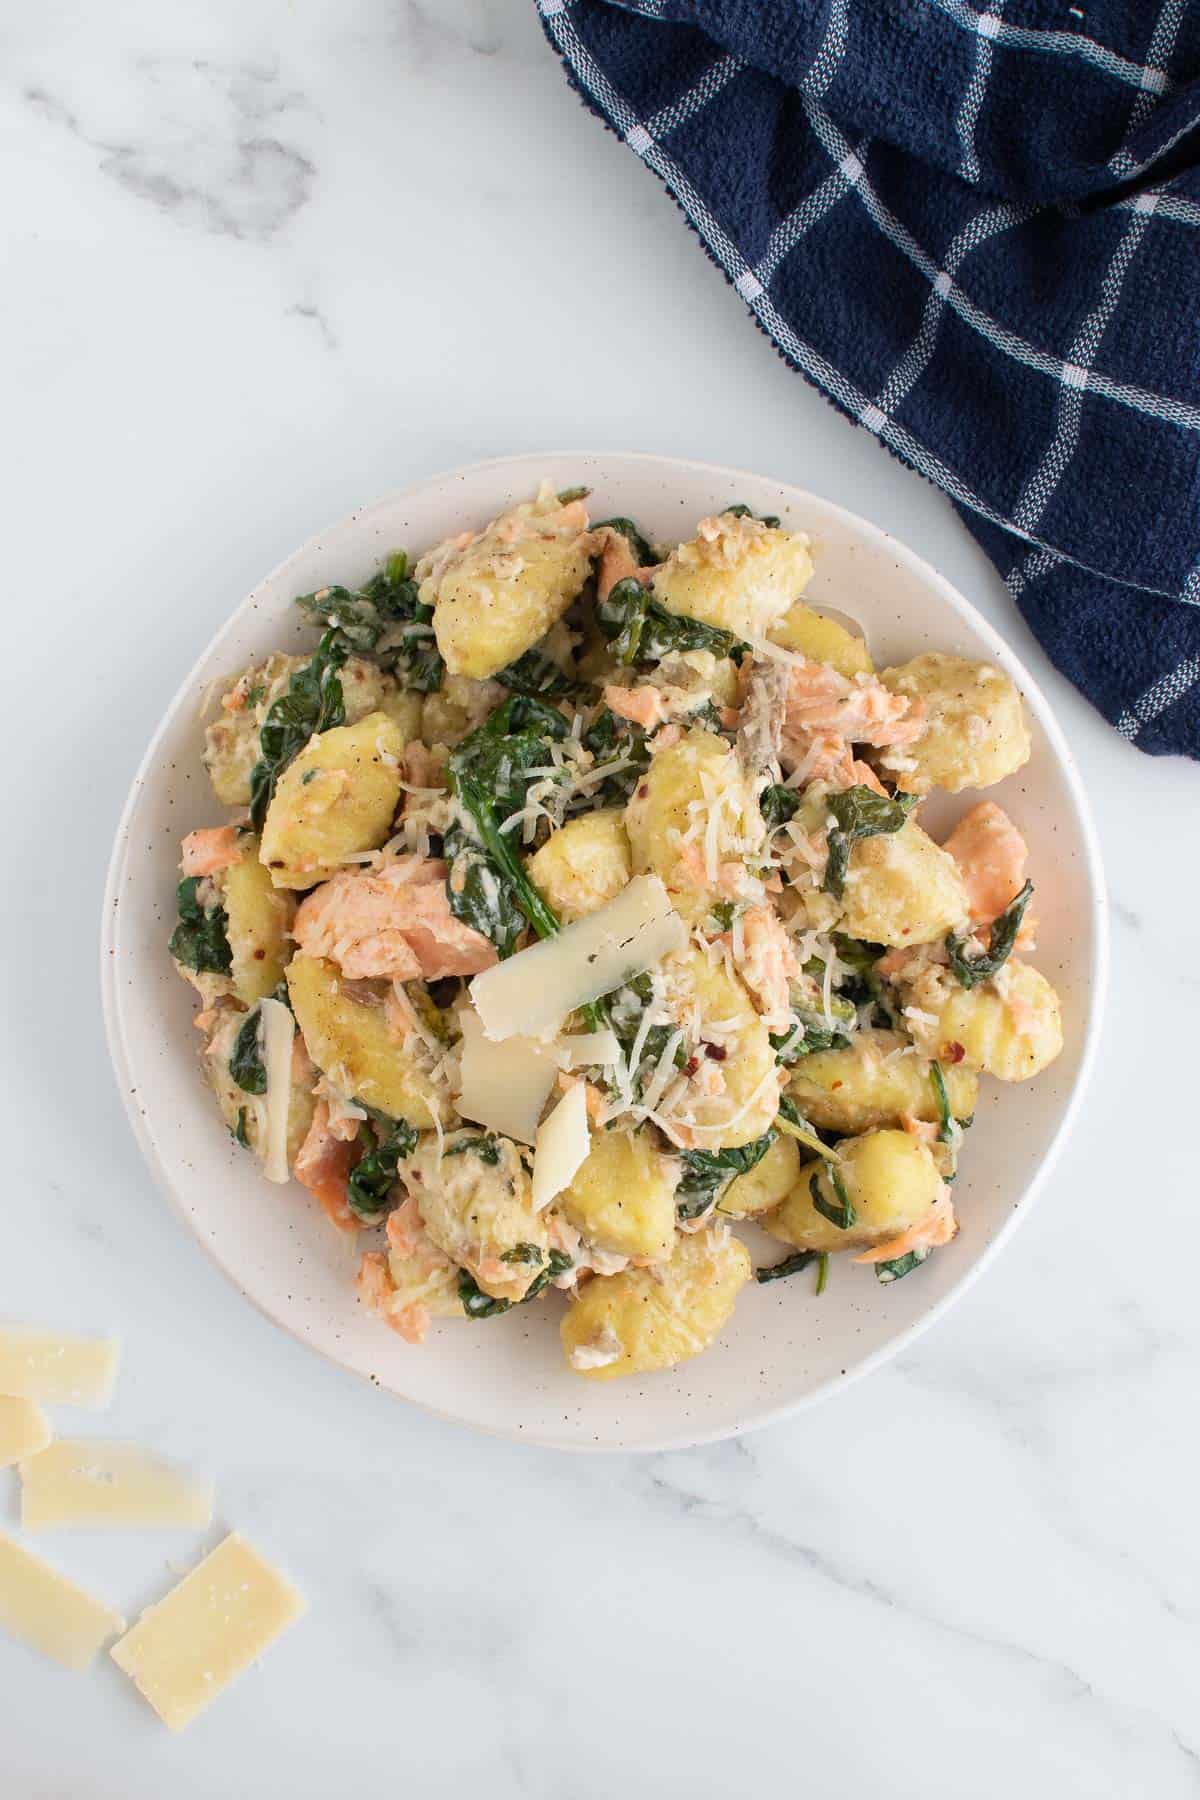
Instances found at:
x=531 y=463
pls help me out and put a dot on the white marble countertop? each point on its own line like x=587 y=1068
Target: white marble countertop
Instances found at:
x=264 y=262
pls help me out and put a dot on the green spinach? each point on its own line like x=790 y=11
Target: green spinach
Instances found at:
x=615 y=740
x=312 y=702
x=641 y=630
x=778 y=804
x=860 y=813
x=971 y=970
x=487 y=886
x=537 y=673
x=487 y=1150
x=246 y=1065
x=373 y=1177
x=840 y=1210
x=900 y=1266
x=199 y=940
x=707 y=1172
x=386 y=621
x=941 y=1100
x=790 y=1265
x=241 y=1135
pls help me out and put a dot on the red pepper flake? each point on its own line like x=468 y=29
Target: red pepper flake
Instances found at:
x=716 y=1051
x=953 y=1052
x=691 y=1065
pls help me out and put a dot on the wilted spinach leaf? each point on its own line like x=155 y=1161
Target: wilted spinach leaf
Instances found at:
x=840 y=1210
x=312 y=702
x=641 y=630
x=706 y=1172
x=616 y=740
x=488 y=1151
x=790 y=1265
x=778 y=804
x=487 y=886
x=246 y=1065
x=900 y=1266
x=536 y=673
x=860 y=813
x=386 y=621
x=199 y=941
x=478 y=1305
x=372 y=1178
x=970 y=970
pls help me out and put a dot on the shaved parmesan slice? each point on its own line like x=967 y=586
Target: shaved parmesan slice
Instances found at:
x=55 y=1366
x=278 y=1030
x=588 y=1049
x=24 y=1430
x=49 y=1613
x=562 y=1146
x=504 y=1086
x=532 y=992
x=97 y=1482
x=208 y=1629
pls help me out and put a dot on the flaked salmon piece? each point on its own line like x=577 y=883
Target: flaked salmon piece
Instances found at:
x=377 y=1290
x=924 y=1130
x=826 y=712
x=207 y=852
x=393 y=922
x=664 y=738
x=616 y=563
x=644 y=706
x=991 y=855
x=936 y=1228
x=422 y=768
x=729 y=878
x=323 y=1165
x=768 y=965
x=406 y=1232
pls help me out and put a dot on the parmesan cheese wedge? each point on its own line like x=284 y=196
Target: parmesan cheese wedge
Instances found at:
x=183 y=1652
x=95 y=1482
x=588 y=1049
x=24 y=1430
x=278 y=1031
x=504 y=1086
x=56 y=1366
x=532 y=992
x=49 y=1613
x=562 y=1146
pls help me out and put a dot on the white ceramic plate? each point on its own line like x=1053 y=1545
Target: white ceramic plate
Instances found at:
x=784 y=1347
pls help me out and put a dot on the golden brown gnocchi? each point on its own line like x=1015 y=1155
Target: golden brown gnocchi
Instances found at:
x=352 y=1034
x=737 y=574
x=882 y=1184
x=877 y=1079
x=822 y=640
x=584 y=865
x=259 y=920
x=902 y=888
x=764 y=1186
x=476 y=1203
x=1010 y=1026
x=623 y=1196
x=654 y=1318
x=337 y=798
x=497 y=593
x=975 y=732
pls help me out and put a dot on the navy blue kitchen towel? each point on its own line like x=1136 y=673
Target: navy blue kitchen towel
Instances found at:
x=977 y=231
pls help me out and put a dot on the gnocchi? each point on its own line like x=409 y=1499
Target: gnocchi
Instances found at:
x=882 y=1184
x=975 y=732
x=876 y=1080
x=622 y=1198
x=902 y=888
x=337 y=798
x=352 y=1036
x=737 y=573
x=584 y=865
x=648 y=1319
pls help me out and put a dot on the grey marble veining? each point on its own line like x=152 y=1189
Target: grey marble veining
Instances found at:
x=263 y=263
